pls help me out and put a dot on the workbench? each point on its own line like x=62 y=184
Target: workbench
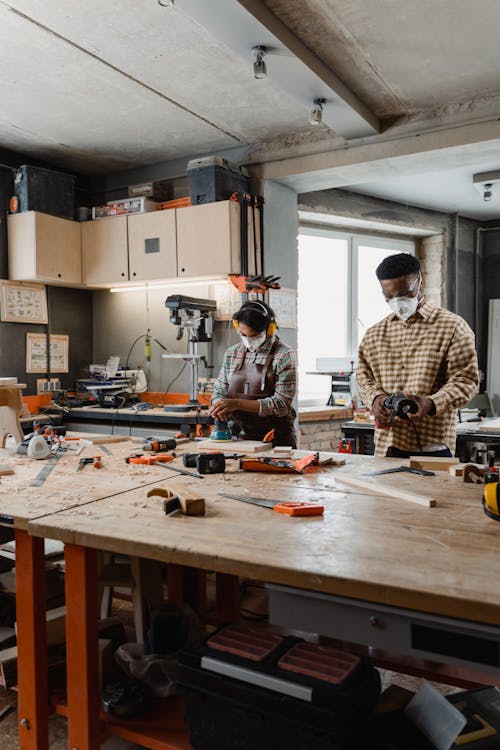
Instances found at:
x=467 y=432
x=382 y=564
x=141 y=422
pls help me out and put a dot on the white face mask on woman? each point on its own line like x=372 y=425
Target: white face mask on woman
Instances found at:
x=253 y=343
x=403 y=307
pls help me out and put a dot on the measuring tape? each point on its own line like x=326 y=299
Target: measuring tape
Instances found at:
x=42 y=476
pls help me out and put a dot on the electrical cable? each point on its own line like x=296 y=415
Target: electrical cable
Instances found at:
x=416 y=435
x=176 y=378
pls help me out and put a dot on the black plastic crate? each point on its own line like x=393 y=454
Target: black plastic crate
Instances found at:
x=212 y=179
x=44 y=190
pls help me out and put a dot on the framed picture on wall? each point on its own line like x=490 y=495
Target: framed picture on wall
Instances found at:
x=36 y=353
x=23 y=302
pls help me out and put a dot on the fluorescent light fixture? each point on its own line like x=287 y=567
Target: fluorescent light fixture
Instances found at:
x=170 y=284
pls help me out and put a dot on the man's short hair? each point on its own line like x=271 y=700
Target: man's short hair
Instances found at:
x=394 y=266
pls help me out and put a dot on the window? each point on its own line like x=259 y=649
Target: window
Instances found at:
x=339 y=298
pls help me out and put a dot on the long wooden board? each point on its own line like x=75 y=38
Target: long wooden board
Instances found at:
x=374 y=488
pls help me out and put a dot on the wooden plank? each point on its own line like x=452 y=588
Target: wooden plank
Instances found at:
x=234 y=446
x=99 y=439
x=433 y=463
x=375 y=488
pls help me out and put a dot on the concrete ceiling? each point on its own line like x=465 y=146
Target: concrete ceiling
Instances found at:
x=99 y=88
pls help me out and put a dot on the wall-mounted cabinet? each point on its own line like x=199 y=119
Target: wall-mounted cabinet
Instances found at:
x=209 y=239
x=105 y=250
x=152 y=247
x=44 y=248
x=186 y=242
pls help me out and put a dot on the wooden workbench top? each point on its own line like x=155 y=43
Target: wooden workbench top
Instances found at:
x=444 y=560
x=66 y=487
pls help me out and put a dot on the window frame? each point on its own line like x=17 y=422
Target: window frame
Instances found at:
x=354 y=241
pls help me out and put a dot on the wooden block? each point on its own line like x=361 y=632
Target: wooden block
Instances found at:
x=234 y=446
x=433 y=463
x=191 y=502
x=6 y=469
x=282 y=451
x=457 y=470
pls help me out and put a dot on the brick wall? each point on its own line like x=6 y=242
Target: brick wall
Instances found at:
x=322 y=436
x=432 y=254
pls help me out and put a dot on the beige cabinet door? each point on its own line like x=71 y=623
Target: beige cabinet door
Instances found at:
x=104 y=250
x=152 y=252
x=208 y=239
x=44 y=248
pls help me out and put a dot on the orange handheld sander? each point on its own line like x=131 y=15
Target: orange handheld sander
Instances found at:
x=279 y=506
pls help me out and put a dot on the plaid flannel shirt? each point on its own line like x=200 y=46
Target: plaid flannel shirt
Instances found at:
x=431 y=354
x=283 y=364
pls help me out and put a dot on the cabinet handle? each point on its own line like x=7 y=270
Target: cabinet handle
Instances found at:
x=134 y=274
x=123 y=274
x=59 y=275
x=182 y=270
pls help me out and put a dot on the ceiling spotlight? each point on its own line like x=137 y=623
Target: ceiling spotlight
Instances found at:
x=488 y=191
x=316 y=113
x=166 y=3
x=259 y=66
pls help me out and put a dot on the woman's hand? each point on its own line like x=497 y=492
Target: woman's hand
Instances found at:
x=223 y=409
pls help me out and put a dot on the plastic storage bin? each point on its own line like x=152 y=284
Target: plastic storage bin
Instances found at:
x=214 y=179
x=46 y=191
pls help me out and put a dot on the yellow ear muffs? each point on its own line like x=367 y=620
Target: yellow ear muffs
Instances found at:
x=272 y=328
x=236 y=325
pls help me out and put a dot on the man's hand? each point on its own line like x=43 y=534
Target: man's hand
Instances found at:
x=426 y=407
x=223 y=409
x=379 y=412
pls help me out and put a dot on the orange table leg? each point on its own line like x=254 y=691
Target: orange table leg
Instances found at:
x=32 y=678
x=227 y=594
x=82 y=656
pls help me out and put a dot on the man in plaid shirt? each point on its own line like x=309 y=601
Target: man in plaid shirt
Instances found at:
x=422 y=351
x=258 y=379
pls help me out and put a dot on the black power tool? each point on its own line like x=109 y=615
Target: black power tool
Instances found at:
x=399 y=405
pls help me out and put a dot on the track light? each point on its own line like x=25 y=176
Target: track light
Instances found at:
x=259 y=66
x=316 y=113
x=488 y=191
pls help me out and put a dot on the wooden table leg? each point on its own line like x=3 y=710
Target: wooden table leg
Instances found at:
x=227 y=596
x=188 y=585
x=32 y=678
x=82 y=656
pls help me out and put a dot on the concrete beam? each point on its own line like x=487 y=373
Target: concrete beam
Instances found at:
x=262 y=13
x=383 y=156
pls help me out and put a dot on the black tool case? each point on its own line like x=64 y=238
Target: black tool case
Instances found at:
x=249 y=688
x=45 y=190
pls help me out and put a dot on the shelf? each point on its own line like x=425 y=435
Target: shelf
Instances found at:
x=161 y=727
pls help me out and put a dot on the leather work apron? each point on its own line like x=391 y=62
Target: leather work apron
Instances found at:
x=252 y=381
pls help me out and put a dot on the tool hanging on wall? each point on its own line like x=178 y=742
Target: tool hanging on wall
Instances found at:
x=259 y=284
